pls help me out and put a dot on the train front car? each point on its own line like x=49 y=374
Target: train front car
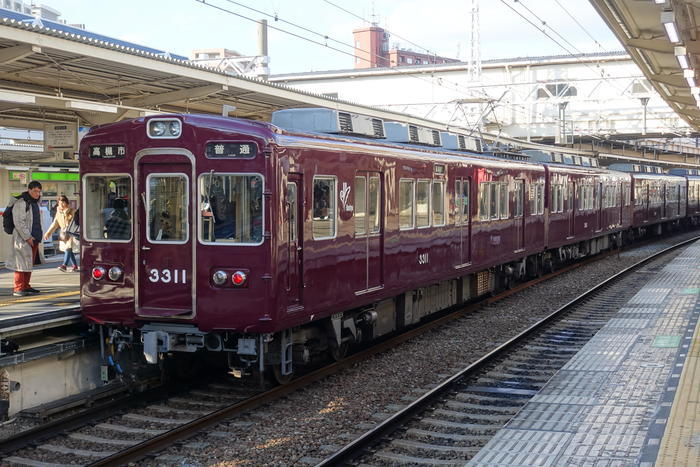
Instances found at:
x=174 y=214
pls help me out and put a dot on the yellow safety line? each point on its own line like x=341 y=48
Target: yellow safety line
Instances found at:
x=39 y=298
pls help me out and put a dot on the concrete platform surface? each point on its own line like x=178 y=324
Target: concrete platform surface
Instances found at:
x=631 y=396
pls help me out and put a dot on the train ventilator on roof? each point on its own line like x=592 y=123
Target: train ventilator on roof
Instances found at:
x=328 y=121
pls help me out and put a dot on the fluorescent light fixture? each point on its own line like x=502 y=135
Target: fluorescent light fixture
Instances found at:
x=48 y=169
x=73 y=170
x=17 y=97
x=695 y=91
x=668 y=19
x=92 y=106
x=680 y=53
x=659 y=2
x=689 y=76
x=18 y=168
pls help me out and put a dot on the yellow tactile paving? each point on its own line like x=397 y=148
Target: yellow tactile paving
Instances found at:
x=680 y=445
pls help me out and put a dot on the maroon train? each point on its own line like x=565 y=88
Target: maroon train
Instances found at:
x=272 y=246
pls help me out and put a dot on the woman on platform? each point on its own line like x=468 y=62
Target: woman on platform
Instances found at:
x=67 y=242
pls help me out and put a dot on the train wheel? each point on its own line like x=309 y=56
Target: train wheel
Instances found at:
x=339 y=352
x=279 y=377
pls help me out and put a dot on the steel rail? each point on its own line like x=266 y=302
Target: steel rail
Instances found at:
x=149 y=447
x=360 y=445
x=54 y=428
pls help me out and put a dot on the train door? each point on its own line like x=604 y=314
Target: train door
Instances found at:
x=463 y=220
x=293 y=229
x=369 y=225
x=164 y=236
x=519 y=214
x=571 y=207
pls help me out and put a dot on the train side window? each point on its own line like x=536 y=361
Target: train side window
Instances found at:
x=438 y=203
x=493 y=200
x=458 y=202
x=360 y=203
x=484 y=201
x=324 y=210
x=562 y=195
x=374 y=204
x=231 y=208
x=107 y=209
x=423 y=203
x=518 y=191
x=406 y=210
x=465 y=201
x=503 y=200
x=537 y=199
x=292 y=206
x=461 y=202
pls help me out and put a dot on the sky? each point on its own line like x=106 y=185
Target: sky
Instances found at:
x=325 y=27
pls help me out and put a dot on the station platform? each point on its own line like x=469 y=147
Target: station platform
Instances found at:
x=57 y=304
x=630 y=396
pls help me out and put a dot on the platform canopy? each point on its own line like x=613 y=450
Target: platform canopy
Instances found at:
x=51 y=75
x=661 y=36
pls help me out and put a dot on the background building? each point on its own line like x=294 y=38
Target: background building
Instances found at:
x=372 y=50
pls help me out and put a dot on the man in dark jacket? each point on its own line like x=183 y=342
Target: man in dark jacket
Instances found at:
x=26 y=239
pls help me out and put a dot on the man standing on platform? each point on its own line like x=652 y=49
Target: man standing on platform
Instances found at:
x=26 y=238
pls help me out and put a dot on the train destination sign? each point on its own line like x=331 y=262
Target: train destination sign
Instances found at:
x=109 y=151
x=221 y=149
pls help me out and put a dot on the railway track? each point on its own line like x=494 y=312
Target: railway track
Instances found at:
x=449 y=424
x=102 y=438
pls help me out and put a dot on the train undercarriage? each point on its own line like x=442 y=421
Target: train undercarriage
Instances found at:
x=281 y=354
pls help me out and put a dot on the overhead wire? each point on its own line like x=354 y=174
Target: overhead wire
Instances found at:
x=441 y=82
x=580 y=25
x=602 y=70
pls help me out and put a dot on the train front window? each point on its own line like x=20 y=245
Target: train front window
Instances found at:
x=168 y=204
x=230 y=208
x=107 y=207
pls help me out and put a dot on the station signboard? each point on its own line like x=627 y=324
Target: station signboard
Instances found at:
x=60 y=137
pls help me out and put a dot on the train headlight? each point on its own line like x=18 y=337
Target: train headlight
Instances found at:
x=98 y=273
x=115 y=273
x=164 y=128
x=219 y=277
x=158 y=128
x=174 y=128
x=239 y=278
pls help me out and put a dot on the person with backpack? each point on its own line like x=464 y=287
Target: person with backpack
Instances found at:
x=26 y=238
x=65 y=217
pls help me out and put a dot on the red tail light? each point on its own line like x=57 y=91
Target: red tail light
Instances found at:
x=238 y=278
x=98 y=272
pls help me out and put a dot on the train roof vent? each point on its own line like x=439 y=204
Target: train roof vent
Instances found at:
x=538 y=156
x=595 y=163
x=403 y=133
x=378 y=127
x=577 y=160
x=318 y=120
x=460 y=142
x=345 y=122
x=558 y=157
x=586 y=162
